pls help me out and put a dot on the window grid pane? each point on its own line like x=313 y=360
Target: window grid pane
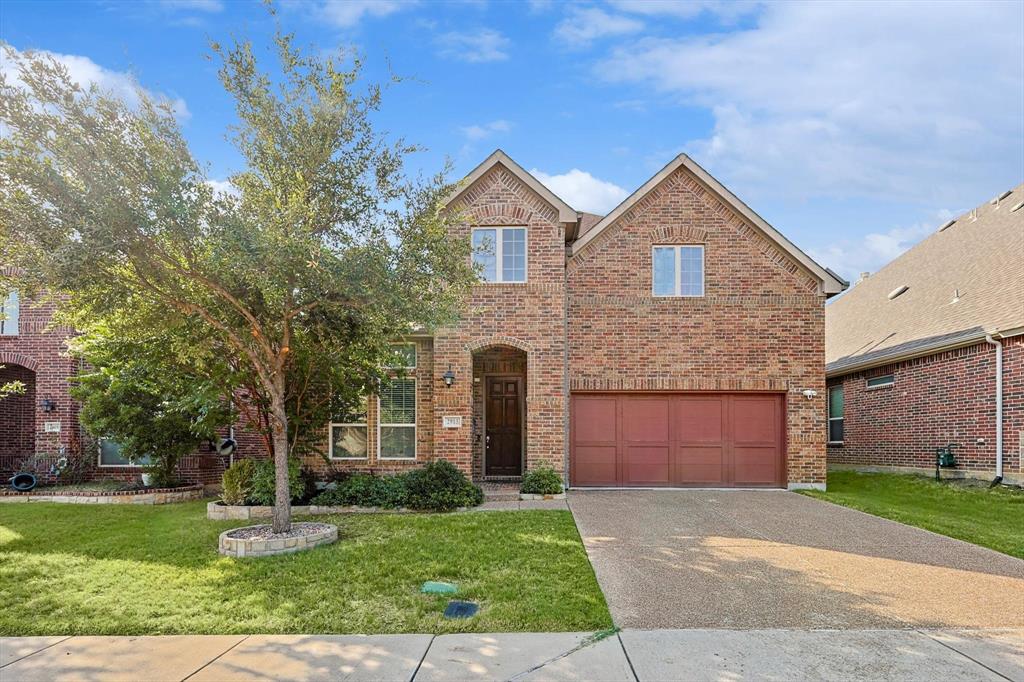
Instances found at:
x=513 y=254
x=835 y=430
x=9 y=315
x=485 y=253
x=348 y=441
x=835 y=402
x=398 y=402
x=664 y=271
x=691 y=261
x=406 y=353
x=398 y=442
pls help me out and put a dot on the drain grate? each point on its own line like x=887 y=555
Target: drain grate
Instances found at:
x=461 y=609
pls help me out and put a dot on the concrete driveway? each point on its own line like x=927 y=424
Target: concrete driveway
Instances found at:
x=775 y=559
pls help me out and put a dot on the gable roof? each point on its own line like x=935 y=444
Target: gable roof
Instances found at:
x=566 y=213
x=962 y=282
x=831 y=283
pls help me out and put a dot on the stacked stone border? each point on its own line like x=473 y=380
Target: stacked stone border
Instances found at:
x=150 y=496
x=218 y=511
x=243 y=547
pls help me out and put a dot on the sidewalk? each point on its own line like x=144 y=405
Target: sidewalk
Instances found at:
x=630 y=655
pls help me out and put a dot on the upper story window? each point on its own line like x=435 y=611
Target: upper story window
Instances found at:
x=9 y=315
x=835 y=414
x=500 y=252
x=677 y=270
x=405 y=356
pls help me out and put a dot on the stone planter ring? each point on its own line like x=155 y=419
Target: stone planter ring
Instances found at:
x=259 y=541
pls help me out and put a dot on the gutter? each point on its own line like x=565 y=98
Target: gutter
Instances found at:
x=999 y=408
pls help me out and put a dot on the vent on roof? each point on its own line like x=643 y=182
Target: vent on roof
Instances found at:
x=898 y=291
x=1017 y=206
x=1002 y=196
x=946 y=224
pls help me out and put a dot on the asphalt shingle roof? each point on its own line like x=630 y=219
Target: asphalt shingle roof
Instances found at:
x=962 y=282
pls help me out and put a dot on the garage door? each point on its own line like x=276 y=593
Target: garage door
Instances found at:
x=693 y=439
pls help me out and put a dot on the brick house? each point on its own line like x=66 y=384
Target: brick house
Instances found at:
x=913 y=352
x=676 y=341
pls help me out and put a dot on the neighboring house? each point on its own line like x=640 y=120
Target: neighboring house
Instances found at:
x=912 y=351
x=677 y=341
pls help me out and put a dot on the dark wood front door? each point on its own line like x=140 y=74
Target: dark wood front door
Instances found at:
x=503 y=440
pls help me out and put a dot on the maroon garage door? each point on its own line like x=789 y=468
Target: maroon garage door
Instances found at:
x=693 y=439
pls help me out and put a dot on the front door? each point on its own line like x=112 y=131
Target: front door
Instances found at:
x=503 y=440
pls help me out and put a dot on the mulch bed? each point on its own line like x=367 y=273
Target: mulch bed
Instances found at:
x=266 y=532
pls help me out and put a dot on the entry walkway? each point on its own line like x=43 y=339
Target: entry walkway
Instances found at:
x=631 y=655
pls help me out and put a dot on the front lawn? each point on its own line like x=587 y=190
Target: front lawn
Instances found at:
x=968 y=511
x=72 y=569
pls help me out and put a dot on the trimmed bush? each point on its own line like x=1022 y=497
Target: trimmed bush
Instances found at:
x=440 y=486
x=237 y=482
x=365 y=490
x=262 y=491
x=541 y=481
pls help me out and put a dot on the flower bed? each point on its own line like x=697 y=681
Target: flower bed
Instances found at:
x=149 y=496
x=258 y=541
x=218 y=511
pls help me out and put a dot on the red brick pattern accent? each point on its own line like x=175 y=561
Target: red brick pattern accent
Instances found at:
x=944 y=398
x=758 y=327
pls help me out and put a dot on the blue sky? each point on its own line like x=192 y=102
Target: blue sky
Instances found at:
x=856 y=129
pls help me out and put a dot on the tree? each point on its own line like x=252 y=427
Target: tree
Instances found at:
x=290 y=287
x=11 y=388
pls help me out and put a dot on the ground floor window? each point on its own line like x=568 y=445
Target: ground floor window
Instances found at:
x=110 y=456
x=348 y=437
x=835 y=414
x=397 y=420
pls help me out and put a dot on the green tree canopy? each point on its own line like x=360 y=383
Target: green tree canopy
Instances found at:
x=289 y=288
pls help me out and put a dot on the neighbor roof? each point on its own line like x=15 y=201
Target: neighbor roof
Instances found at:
x=962 y=282
x=831 y=283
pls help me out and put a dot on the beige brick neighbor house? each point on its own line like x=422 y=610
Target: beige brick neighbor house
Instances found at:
x=677 y=341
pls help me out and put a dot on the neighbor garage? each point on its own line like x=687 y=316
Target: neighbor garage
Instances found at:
x=686 y=439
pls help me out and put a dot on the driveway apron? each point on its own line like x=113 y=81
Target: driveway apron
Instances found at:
x=774 y=559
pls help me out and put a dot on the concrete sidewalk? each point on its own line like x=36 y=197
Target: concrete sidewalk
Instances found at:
x=631 y=655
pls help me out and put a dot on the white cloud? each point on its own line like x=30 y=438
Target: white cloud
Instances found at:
x=479 y=132
x=583 y=191
x=86 y=72
x=725 y=9
x=874 y=250
x=482 y=45
x=211 y=6
x=583 y=25
x=826 y=99
x=348 y=13
x=223 y=187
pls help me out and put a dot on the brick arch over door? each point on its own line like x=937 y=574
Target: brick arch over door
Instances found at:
x=489 y=341
x=12 y=358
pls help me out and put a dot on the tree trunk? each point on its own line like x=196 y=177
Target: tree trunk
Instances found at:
x=282 y=496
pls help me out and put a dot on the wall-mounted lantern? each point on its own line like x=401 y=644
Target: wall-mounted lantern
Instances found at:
x=48 y=405
x=449 y=377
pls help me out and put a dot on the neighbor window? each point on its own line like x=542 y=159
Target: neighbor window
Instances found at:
x=677 y=270
x=835 y=414
x=405 y=356
x=500 y=253
x=110 y=456
x=397 y=419
x=9 y=315
x=348 y=433
x=879 y=382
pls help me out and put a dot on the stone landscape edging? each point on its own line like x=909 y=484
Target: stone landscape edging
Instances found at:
x=218 y=511
x=151 y=496
x=541 y=496
x=247 y=547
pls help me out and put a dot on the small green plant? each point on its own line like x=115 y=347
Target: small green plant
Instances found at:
x=440 y=486
x=541 y=481
x=262 y=492
x=237 y=481
x=366 y=490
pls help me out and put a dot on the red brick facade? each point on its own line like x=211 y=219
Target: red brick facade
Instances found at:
x=589 y=322
x=947 y=397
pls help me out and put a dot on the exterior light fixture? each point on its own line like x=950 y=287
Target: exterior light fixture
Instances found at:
x=810 y=393
x=48 y=405
x=449 y=377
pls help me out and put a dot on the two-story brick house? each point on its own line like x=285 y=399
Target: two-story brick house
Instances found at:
x=677 y=341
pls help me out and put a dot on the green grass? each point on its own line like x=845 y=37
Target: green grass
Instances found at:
x=71 y=569
x=991 y=518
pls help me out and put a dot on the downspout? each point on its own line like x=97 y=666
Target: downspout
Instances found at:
x=999 y=409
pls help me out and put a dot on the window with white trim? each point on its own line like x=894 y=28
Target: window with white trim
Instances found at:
x=396 y=421
x=9 y=315
x=835 y=414
x=677 y=270
x=881 y=382
x=500 y=253
x=405 y=356
x=349 y=433
x=110 y=455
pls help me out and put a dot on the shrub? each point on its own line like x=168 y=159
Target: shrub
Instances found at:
x=237 y=481
x=262 y=492
x=366 y=490
x=440 y=486
x=541 y=481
